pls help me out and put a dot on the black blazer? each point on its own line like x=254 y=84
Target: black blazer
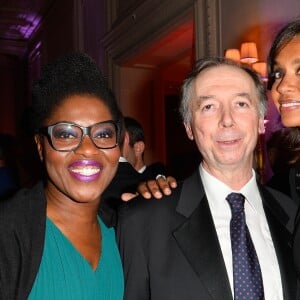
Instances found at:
x=170 y=248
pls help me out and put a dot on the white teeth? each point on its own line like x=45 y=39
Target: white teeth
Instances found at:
x=86 y=171
x=290 y=104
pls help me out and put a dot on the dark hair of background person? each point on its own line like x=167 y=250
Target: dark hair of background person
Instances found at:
x=285 y=35
x=135 y=130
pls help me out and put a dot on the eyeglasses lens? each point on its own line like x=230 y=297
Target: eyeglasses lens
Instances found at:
x=69 y=136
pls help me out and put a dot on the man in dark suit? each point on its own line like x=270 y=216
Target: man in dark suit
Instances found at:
x=184 y=246
x=125 y=180
x=135 y=148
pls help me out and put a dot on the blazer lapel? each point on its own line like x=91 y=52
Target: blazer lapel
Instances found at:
x=197 y=239
x=282 y=243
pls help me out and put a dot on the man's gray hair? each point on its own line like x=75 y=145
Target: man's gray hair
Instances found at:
x=209 y=62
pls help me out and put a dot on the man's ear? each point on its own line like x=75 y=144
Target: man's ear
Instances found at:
x=39 y=145
x=189 y=131
x=126 y=138
x=139 y=147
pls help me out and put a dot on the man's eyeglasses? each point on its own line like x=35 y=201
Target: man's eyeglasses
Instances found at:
x=66 y=137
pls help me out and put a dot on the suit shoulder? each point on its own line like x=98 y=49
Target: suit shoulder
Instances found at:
x=281 y=205
x=150 y=208
x=285 y=201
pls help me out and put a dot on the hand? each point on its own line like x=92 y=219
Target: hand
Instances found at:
x=153 y=188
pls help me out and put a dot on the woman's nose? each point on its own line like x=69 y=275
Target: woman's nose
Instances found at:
x=87 y=145
x=287 y=84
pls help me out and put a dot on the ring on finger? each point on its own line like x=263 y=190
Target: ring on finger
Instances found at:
x=160 y=176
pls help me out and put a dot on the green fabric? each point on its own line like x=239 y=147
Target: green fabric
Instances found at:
x=65 y=274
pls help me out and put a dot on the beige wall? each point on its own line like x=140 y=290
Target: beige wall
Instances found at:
x=255 y=20
x=142 y=93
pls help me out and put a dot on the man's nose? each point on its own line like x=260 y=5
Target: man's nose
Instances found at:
x=226 y=118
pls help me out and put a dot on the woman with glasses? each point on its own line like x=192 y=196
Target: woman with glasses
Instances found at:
x=53 y=243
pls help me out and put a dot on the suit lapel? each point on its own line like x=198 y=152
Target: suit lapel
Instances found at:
x=281 y=240
x=197 y=239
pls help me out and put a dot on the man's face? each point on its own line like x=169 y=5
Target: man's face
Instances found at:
x=225 y=122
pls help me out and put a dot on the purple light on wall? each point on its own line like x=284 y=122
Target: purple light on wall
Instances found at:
x=27 y=25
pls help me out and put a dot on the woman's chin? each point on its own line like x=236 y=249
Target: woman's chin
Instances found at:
x=290 y=120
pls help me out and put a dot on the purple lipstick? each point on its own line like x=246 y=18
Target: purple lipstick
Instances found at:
x=85 y=170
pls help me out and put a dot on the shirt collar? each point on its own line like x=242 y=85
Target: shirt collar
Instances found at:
x=249 y=190
x=122 y=159
x=142 y=169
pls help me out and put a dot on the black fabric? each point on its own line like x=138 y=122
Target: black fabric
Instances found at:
x=22 y=232
x=287 y=182
x=125 y=180
x=153 y=170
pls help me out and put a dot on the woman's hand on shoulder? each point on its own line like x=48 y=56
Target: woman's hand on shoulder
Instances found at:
x=153 y=188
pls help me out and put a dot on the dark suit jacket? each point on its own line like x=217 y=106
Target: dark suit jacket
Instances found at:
x=170 y=248
x=153 y=170
x=295 y=191
x=125 y=180
x=288 y=182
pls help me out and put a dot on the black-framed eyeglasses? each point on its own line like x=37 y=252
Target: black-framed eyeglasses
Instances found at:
x=64 y=136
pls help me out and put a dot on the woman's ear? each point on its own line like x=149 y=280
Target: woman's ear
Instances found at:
x=39 y=145
x=189 y=131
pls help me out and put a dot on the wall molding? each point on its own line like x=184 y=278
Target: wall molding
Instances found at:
x=153 y=19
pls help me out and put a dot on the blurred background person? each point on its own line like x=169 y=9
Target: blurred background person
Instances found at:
x=126 y=180
x=134 y=150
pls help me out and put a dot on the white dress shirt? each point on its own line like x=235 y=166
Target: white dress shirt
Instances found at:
x=257 y=224
x=122 y=159
x=142 y=169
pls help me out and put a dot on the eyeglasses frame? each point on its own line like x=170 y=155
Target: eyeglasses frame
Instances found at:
x=47 y=131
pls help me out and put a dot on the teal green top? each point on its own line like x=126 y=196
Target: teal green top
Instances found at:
x=65 y=274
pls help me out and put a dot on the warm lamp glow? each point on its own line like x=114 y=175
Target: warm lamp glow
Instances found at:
x=249 y=53
x=233 y=54
x=261 y=68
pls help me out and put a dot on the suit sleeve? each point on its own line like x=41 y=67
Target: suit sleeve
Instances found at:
x=132 y=241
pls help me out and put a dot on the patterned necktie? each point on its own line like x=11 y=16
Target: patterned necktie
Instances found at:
x=247 y=276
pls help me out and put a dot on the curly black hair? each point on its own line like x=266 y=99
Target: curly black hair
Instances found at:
x=72 y=74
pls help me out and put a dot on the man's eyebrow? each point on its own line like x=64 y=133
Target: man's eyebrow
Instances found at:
x=205 y=97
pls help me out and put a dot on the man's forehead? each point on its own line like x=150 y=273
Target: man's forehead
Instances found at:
x=224 y=77
x=224 y=71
